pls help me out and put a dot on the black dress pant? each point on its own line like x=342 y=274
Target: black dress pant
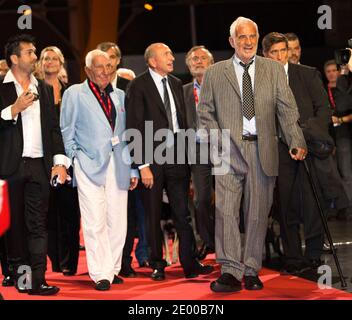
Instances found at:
x=175 y=179
x=27 y=237
x=296 y=204
x=204 y=213
x=3 y=257
x=63 y=229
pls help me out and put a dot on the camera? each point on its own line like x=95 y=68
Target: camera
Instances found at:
x=342 y=56
x=36 y=95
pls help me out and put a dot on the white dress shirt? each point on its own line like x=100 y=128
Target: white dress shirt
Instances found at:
x=32 y=133
x=249 y=126
x=286 y=70
x=157 y=78
x=31 y=123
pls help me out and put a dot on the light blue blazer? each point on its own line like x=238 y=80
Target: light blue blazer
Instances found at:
x=87 y=134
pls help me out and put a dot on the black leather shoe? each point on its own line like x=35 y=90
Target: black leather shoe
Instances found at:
x=295 y=268
x=68 y=273
x=200 y=269
x=127 y=272
x=253 y=283
x=44 y=290
x=117 y=280
x=226 y=283
x=204 y=251
x=8 y=282
x=158 y=275
x=102 y=285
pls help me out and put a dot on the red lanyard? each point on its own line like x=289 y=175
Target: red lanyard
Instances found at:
x=195 y=95
x=331 y=98
x=107 y=108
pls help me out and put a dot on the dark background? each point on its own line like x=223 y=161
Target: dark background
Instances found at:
x=169 y=22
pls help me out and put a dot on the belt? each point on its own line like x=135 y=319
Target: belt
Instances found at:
x=250 y=137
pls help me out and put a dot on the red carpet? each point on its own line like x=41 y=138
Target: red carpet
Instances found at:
x=276 y=287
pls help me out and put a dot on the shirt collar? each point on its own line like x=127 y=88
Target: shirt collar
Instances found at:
x=10 y=77
x=156 y=76
x=108 y=89
x=237 y=60
x=286 y=68
x=196 y=84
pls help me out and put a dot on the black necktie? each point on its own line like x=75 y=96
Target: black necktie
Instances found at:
x=247 y=93
x=167 y=104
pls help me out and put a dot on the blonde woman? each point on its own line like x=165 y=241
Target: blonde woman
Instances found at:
x=63 y=217
x=49 y=66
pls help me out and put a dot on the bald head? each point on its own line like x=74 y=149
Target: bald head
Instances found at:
x=159 y=58
x=150 y=51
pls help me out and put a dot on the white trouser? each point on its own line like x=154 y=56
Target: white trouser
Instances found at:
x=104 y=222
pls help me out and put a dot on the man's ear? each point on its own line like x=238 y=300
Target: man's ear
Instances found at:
x=87 y=71
x=14 y=59
x=232 y=42
x=151 y=62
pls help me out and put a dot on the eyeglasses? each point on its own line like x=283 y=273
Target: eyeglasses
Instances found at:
x=197 y=59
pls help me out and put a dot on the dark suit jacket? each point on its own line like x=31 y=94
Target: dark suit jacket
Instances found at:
x=315 y=116
x=190 y=102
x=11 y=134
x=143 y=103
x=311 y=98
x=121 y=83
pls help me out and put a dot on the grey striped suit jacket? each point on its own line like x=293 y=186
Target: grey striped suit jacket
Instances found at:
x=220 y=107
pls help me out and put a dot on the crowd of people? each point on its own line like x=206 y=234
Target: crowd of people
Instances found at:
x=68 y=162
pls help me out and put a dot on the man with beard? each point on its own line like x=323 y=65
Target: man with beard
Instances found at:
x=32 y=151
x=294 y=48
x=198 y=59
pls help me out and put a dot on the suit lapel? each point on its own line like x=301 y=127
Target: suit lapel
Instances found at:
x=119 y=110
x=292 y=77
x=259 y=80
x=94 y=105
x=42 y=102
x=151 y=87
x=258 y=74
x=179 y=111
x=9 y=97
x=231 y=76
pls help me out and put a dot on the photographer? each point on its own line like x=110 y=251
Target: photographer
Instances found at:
x=341 y=102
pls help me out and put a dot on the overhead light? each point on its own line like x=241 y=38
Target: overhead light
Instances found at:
x=27 y=12
x=148 y=6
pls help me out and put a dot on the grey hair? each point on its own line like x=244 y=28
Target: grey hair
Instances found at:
x=92 y=54
x=238 y=22
x=129 y=72
x=149 y=53
x=188 y=55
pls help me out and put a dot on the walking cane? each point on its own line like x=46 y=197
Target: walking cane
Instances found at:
x=324 y=222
